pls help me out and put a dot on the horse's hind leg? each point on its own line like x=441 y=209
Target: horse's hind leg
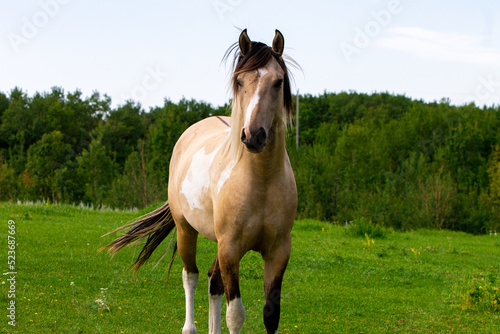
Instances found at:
x=215 y=293
x=186 y=246
x=274 y=269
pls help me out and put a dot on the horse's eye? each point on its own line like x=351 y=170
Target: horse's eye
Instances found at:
x=278 y=83
x=238 y=82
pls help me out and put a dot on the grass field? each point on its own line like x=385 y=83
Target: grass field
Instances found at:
x=338 y=280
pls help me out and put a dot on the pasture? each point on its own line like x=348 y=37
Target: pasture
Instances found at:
x=338 y=279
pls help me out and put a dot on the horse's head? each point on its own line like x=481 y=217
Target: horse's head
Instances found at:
x=261 y=90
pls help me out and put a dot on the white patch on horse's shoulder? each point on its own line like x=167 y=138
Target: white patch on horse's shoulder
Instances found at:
x=198 y=177
x=226 y=173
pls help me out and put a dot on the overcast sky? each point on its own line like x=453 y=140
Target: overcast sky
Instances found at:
x=151 y=50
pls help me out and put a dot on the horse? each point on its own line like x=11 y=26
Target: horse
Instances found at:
x=230 y=180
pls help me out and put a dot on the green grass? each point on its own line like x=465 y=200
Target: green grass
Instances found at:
x=422 y=281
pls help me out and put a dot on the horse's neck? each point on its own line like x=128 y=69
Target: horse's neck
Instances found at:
x=270 y=161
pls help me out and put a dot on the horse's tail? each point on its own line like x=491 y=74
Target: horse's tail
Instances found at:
x=155 y=226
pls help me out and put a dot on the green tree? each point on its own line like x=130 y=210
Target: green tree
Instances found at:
x=120 y=131
x=96 y=170
x=137 y=186
x=17 y=122
x=4 y=104
x=465 y=156
x=47 y=165
x=493 y=197
x=8 y=181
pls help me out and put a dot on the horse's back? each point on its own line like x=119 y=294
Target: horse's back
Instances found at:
x=191 y=165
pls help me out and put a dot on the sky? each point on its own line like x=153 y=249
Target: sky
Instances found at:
x=153 y=50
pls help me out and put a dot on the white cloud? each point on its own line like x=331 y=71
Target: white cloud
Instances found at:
x=439 y=46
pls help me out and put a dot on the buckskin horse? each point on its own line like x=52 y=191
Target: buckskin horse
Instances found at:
x=230 y=180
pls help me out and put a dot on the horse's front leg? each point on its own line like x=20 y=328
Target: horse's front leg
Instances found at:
x=275 y=261
x=229 y=261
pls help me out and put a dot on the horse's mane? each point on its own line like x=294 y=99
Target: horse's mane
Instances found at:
x=258 y=56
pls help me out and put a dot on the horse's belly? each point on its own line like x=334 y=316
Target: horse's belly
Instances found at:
x=201 y=221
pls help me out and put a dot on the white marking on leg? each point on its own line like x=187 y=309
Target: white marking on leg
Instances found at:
x=235 y=316
x=189 y=282
x=255 y=98
x=214 y=304
x=198 y=177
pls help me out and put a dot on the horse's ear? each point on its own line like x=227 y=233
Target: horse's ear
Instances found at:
x=245 y=43
x=278 y=43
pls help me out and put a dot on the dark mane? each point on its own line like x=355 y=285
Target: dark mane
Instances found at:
x=258 y=56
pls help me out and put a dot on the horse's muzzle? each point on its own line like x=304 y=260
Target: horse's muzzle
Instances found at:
x=256 y=142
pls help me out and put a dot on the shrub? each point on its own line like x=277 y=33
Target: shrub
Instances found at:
x=363 y=227
x=478 y=293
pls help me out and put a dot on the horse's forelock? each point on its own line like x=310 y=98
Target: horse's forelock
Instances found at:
x=258 y=56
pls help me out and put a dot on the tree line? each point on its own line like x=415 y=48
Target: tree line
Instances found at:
x=395 y=161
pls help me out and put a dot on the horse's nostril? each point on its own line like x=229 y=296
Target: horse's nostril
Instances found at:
x=243 y=135
x=261 y=137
